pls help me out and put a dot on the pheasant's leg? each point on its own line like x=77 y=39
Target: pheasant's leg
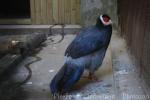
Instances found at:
x=92 y=77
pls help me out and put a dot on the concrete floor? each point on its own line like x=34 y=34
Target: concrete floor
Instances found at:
x=128 y=85
x=116 y=84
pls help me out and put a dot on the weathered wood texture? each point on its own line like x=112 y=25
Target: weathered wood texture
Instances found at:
x=55 y=11
x=134 y=20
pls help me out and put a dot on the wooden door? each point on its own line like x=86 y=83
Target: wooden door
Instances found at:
x=55 y=11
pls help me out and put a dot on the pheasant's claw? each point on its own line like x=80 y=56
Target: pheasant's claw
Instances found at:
x=92 y=77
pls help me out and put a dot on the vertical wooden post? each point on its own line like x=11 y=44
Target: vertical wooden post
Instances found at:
x=73 y=12
x=55 y=11
x=49 y=12
x=67 y=11
x=32 y=13
x=78 y=13
x=43 y=12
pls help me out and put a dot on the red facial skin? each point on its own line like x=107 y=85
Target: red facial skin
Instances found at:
x=106 y=19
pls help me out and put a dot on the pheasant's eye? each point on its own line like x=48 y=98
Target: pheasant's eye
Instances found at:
x=105 y=19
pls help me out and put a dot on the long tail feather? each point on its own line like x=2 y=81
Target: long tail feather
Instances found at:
x=66 y=77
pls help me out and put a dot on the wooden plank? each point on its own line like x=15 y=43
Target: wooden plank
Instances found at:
x=61 y=11
x=78 y=15
x=38 y=11
x=49 y=12
x=55 y=11
x=73 y=11
x=67 y=19
x=43 y=12
x=32 y=9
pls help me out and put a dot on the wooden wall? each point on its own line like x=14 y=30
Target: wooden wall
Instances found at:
x=134 y=20
x=55 y=11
